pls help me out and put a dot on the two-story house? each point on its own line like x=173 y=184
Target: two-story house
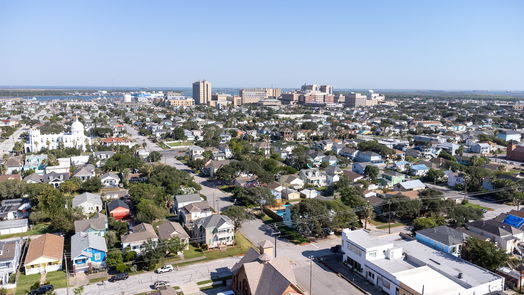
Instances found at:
x=97 y=225
x=191 y=212
x=88 y=251
x=313 y=177
x=139 y=236
x=214 y=231
x=89 y=203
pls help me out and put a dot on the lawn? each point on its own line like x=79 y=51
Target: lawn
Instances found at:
x=24 y=283
x=477 y=206
x=241 y=247
x=385 y=226
x=286 y=232
x=181 y=143
x=36 y=230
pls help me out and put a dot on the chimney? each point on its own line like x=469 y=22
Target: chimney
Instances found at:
x=266 y=247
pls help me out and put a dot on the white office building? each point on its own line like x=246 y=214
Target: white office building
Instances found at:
x=404 y=266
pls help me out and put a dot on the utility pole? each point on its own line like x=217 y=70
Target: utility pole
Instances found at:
x=389 y=216
x=67 y=274
x=310 y=274
x=465 y=188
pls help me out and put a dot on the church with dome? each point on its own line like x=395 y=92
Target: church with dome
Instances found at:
x=74 y=139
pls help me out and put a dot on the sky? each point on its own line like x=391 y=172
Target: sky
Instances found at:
x=401 y=44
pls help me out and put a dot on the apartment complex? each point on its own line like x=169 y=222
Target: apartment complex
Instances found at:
x=403 y=266
x=254 y=95
x=355 y=99
x=202 y=92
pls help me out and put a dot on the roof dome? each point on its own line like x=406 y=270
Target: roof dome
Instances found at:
x=77 y=127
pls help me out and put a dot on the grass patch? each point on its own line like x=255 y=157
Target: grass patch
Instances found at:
x=204 y=282
x=38 y=229
x=376 y=222
x=286 y=232
x=181 y=143
x=477 y=206
x=96 y=280
x=24 y=283
x=384 y=226
x=211 y=287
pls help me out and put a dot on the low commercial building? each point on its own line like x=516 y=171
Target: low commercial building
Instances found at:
x=399 y=265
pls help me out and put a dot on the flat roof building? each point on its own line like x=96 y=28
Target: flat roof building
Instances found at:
x=399 y=265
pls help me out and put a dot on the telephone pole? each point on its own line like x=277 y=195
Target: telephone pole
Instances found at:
x=389 y=216
x=310 y=274
x=67 y=275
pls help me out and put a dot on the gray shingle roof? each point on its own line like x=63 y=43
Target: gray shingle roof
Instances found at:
x=97 y=222
x=188 y=198
x=445 y=235
x=168 y=230
x=213 y=221
x=87 y=198
x=82 y=241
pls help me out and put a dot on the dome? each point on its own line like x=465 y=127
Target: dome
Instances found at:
x=77 y=127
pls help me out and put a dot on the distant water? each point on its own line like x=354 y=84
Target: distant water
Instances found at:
x=71 y=97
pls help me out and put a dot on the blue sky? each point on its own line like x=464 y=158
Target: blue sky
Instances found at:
x=422 y=44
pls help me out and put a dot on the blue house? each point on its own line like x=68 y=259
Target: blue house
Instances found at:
x=88 y=251
x=442 y=238
x=419 y=170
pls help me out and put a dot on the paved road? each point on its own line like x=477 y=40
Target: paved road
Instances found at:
x=216 y=198
x=7 y=145
x=141 y=283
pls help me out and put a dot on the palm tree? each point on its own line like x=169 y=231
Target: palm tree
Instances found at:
x=367 y=214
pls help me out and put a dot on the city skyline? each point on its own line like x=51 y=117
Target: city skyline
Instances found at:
x=439 y=45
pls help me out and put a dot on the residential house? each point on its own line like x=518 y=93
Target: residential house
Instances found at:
x=13 y=226
x=140 y=235
x=396 y=264
x=290 y=194
x=309 y=193
x=118 y=209
x=214 y=231
x=391 y=178
x=36 y=163
x=276 y=189
x=333 y=174
x=13 y=165
x=330 y=160
x=55 y=178
x=455 y=178
x=419 y=170
x=443 y=238
x=480 y=148
x=195 y=153
x=368 y=156
x=360 y=167
x=85 y=172
x=262 y=273
x=412 y=185
x=110 y=179
x=191 y=212
x=14 y=208
x=313 y=177
x=182 y=200
x=168 y=230
x=10 y=254
x=89 y=203
x=44 y=254
x=88 y=251
x=352 y=176
x=510 y=136
x=97 y=225
x=102 y=156
x=212 y=166
x=505 y=236
x=402 y=166
x=292 y=181
x=349 y=153
x=315 y=158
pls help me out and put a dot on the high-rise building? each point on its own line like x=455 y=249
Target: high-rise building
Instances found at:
x=202 y=92
x=355 y=100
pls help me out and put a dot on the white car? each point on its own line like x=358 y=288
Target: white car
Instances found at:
x=165 y=268
x=229 y=292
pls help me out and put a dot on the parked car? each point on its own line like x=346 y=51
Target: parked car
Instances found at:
x=42 y=290
x=165 y=268
x=119 y=277
x=160 y=284
x=228 y=292
x=335 y=249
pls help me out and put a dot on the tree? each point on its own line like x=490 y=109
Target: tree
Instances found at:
x=423 y=223
x=461 y=214
x=237 y=214
x=91 y=185
x=403 y=207
x=140 y=191
x=178 y=134
x=308 y=125
x=154 y=156
x=435 y=175
x=71 y=185
x=78 y=290
x=298 y=158
x=371 y=172
x=484 y=254
x=172 y=179
x=148 y=211
x=172 y=246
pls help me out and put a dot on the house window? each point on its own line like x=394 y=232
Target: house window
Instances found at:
x=97 y=256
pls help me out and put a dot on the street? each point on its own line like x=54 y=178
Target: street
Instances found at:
x=216 y=198
x=7 y=145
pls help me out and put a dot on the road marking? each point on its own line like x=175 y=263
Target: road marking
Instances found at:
x=315 y=245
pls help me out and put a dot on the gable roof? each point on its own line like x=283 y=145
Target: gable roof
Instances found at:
x=115 y=204
x=444 y=234
x=97 y=222
x=213 y=221
x=82 y=241
x=168 y=230
x=197 y=206
x=87 y=198
x=47 y=245
x=188 y=198
x=141 y=232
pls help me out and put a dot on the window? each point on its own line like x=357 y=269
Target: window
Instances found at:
x=97 y=256
x=372 y=253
